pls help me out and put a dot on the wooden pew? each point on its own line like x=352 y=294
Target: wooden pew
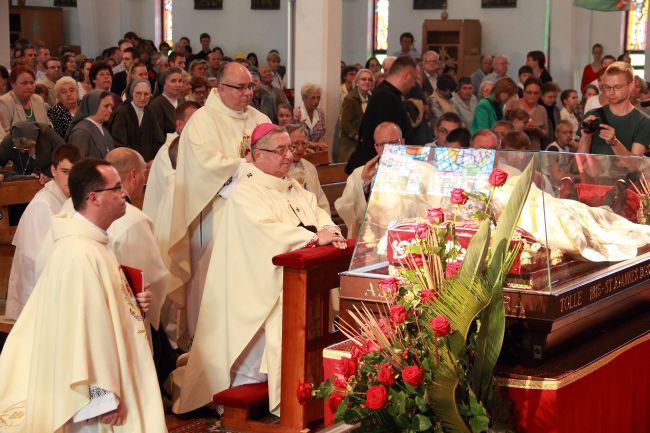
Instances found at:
x=11 y=193
x=309 y=276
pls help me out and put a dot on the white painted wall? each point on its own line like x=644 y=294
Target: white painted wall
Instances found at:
x=357 y=31
x=234 y=28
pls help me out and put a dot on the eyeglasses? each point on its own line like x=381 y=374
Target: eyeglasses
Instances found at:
x=616 y=88
x=117 y=188
x=242 y=87
x=280 y=151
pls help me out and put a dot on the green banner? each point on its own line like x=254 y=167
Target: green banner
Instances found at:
x=603 y=5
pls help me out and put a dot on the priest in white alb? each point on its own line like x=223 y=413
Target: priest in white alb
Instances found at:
x=239 y=333
x=81 y=334
x=212 y=147
x=33 y=226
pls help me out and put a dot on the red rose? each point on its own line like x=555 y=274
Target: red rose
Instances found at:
x=498 y=177
x=452 y=270
x=334 y=401
x=440 y=326
x=458 y=196
x=389 y=285
x=303 y=392
x=436 y=215
x=376 y=397
x=347 y=367
x=421 y=231
x=428 y=295
x=385 y=375
x=397 y=313
x=370 y=346
x=413 y=375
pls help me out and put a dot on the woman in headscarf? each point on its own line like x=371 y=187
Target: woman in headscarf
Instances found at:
x=87 y=131
x=133 y=125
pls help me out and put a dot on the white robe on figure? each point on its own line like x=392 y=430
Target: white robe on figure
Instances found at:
x=28 y=239
x=132 y=240
x=80 y=327
x=305 y=173
x=260 y=220
x=211 y=149
x=352 y=204
x=161 y=169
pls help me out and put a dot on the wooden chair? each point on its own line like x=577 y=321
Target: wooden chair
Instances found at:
x=309 y=276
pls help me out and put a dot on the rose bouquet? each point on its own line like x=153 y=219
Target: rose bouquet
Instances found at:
x=425 y=364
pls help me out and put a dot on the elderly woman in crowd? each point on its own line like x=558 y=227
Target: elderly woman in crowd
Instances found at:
x=67 y=102
x=537 y=127
x=354 y=105
x=309 y=114
x=21 y=103
x=133 y=125
x=83 y=76
x=87 y=131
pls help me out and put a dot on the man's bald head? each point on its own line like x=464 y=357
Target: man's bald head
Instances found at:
x=387 y=133
x=485 y=139
x=234 y=86
x=131 y=167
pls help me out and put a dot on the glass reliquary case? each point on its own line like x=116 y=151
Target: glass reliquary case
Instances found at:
x=583 y=237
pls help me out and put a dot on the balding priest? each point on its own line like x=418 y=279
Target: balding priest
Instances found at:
x=211 y=149
x=239 y=333
x=81 y=334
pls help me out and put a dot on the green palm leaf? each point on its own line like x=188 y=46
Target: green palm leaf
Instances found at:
x=491 y=332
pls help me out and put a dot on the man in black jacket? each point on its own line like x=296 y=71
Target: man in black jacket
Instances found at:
x=386 y=105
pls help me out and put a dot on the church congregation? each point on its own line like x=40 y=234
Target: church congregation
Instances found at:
x=197 y=167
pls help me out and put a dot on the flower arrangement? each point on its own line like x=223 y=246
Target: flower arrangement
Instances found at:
x=425 y=364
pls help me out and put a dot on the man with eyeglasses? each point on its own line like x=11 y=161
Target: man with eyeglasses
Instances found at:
x=351 y=206
x=212 y=146
x=52 y=69
x=499 y=69
x=622 y=129
x=267 y=213
x=430 y=68
x=85 y=327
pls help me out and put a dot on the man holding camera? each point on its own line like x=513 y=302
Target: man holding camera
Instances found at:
x=617 y=128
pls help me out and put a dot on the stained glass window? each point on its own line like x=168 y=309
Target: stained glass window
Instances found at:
x=636 y=34
x=167 y=22
x=380 y=42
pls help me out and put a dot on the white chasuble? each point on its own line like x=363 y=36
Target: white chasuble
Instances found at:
x=305 y=173
x=352 y=204
x=210 y=151
x=161 y=169
x=243 y=295
x=80 y=327
x=28 y=239
x=132 y=240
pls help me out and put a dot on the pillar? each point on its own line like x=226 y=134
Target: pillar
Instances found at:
x=317 y=41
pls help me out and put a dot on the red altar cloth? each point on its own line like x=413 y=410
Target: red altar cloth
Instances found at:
x=610 y=394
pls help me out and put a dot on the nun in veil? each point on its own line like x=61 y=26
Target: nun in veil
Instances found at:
x=87 y=131
x=133 y=124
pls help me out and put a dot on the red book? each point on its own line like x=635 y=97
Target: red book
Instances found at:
x=135 y=278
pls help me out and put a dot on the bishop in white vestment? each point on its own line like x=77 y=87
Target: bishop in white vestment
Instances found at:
x=239 y=333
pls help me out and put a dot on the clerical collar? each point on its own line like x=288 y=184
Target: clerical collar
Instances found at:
x=81 y=217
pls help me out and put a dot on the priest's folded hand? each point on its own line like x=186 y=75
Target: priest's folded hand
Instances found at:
x=115 y=417
x=327 y=236
x=144 y=299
